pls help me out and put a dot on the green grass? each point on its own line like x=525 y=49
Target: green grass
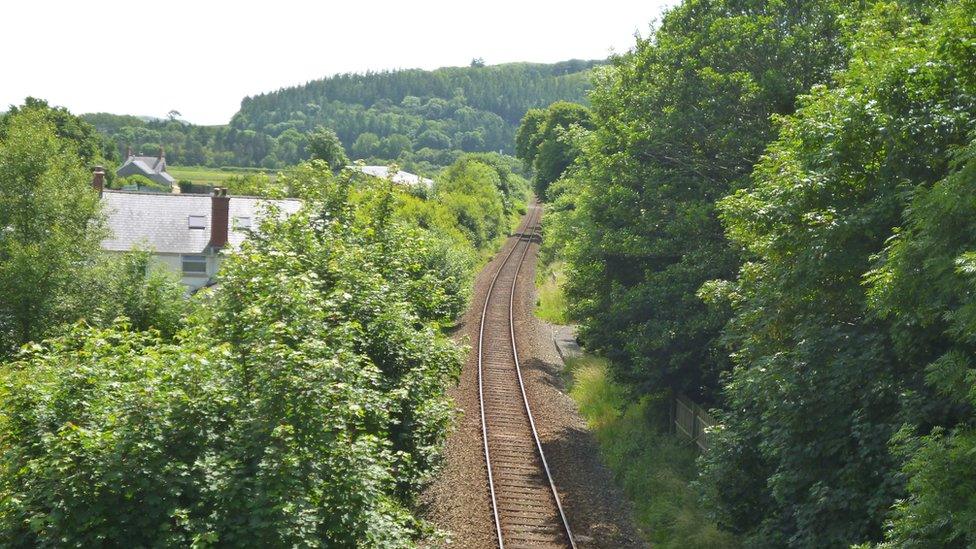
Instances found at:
x=551 y=304
x=205 y=176
x=653 y=467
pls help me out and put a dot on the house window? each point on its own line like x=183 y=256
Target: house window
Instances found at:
x=194 y=264
x=197 y=221
x=241 y=222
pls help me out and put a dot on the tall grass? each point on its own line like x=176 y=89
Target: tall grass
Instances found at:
x=653 y=467
x=551 y=304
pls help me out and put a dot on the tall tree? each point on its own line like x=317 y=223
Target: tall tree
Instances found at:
x=51 y=225
x=88 y=142
x=543 y=142
x=924 y=286
x=679 y=122
x=324 y=144
x=527 y=136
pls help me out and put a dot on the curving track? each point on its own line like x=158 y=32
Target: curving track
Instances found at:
x=526 y=506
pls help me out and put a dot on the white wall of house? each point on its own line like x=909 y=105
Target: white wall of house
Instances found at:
x=193 y=280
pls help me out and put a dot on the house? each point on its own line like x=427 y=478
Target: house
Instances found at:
x=151 y=167
x=185 y=232
x=399 y=177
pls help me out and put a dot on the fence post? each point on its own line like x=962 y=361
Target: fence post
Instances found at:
x=672 y=404
x=689 y=421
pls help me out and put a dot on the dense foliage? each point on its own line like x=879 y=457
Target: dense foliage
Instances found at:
x=51 y=266
x=324 y=144
x=827 y=252
x=822 y=207
x=92 y=147
x=51 y=227
x=544 y=140
x=924 y=287
x=300 y=407
x=679 y=122
x=420 y=119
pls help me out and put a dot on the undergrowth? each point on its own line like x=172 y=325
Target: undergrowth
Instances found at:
x=551 y=304
x=653 y=467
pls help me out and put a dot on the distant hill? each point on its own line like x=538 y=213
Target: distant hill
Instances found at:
x=420 y=119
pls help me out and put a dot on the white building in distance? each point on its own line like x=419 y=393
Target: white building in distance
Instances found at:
x=184 y=232
x=399 y=177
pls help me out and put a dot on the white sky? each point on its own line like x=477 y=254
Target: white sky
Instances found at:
x=202 y=57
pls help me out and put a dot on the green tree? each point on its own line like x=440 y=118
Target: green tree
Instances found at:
x=434 y=139
x=513 y=187
x=527 y=136
x=923 y=285
x=556 y=151
x=324 y=144
x=290 y=147
x=679 y=122
x=366 y=145
x=88 y=143
x=469 y=190
x=51 y=225
x=393 y=146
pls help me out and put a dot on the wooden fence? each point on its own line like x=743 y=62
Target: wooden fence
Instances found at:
x=690 y=421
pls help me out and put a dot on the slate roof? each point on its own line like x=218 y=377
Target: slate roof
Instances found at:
x=160 y=221
x=147 y=162
x=254 y=208
x=153 y=167
x=400 y=177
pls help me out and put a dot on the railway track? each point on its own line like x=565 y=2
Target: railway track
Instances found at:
x=525 y=504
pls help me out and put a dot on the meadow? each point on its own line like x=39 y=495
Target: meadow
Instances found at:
x=202 y=175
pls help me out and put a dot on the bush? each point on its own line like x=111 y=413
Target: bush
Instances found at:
x=133 y=286
x=142 y=183
x=469 y=191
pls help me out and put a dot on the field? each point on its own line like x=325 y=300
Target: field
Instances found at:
x=202 y=175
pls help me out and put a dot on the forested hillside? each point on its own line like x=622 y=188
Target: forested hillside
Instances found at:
x=421 y=119
x=771 y=210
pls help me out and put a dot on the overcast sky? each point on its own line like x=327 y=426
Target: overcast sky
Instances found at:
x=202 y=57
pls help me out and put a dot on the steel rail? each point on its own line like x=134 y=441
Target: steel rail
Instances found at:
x=526 y=234
x=481 y=385
x=525 y=398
